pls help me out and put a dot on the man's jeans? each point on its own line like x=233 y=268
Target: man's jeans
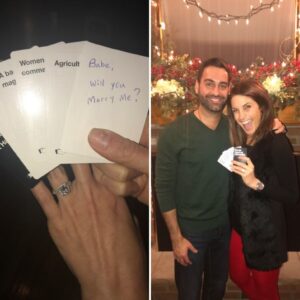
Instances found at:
x=211 y=260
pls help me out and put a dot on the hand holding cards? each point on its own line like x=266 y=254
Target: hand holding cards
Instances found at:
x=233 y=153
x=51 y=97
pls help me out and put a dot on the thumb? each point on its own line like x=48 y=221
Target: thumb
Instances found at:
x=119 y=149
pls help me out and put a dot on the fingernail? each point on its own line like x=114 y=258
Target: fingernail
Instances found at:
x=99 y=137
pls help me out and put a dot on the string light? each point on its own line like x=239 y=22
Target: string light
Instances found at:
x=228 y=17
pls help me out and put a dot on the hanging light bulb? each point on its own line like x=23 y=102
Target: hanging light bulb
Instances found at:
x=219 y=22
x=272 y=8
x=236 y=22
x=200 y=13
x=209 y=18
x=247 y=22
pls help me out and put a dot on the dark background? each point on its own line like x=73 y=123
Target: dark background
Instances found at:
x=30 y=265
x=117 y=24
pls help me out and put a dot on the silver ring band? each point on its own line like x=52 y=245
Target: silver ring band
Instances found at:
x=64 y=189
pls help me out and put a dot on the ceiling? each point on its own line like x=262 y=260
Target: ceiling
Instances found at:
x=239 y=44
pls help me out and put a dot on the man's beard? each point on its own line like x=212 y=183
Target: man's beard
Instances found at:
x=210 y=106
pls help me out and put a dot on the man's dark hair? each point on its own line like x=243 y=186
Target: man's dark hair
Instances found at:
x=213 y=62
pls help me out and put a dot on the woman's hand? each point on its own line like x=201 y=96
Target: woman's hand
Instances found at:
x=95 y=233
x=245 y=169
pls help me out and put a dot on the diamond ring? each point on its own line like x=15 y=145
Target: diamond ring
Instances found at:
x=64 y=189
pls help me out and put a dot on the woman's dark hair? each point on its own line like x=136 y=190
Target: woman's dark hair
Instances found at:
x=213 y=62
x=258 y=93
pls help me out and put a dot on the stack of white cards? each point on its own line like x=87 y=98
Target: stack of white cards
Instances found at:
x=51 y=97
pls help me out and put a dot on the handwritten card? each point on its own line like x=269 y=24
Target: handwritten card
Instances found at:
x=111 y=92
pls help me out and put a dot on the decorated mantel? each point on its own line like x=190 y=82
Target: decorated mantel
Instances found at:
x=173 y=78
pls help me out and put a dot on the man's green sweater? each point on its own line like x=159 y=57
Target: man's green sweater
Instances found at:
x=188 y=177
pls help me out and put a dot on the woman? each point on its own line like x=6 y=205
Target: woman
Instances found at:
x=264 y=181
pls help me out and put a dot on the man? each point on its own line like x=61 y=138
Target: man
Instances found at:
x=192 y=187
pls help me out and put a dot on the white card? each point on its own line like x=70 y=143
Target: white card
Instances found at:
x=30 y=70
x=226 y=158
x=10 y=123
x=111 y=92
x=62 y=65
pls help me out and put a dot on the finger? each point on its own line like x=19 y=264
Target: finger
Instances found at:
x=56 y=178
x=181 y=261
x=186 y=260
x=46 y=201
x=116 y=187
x=249 y=162
x=117 y=172
x=237 y=170
x=120 y=150
x=239 y=163
x=82 y=173
x=193 y=249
